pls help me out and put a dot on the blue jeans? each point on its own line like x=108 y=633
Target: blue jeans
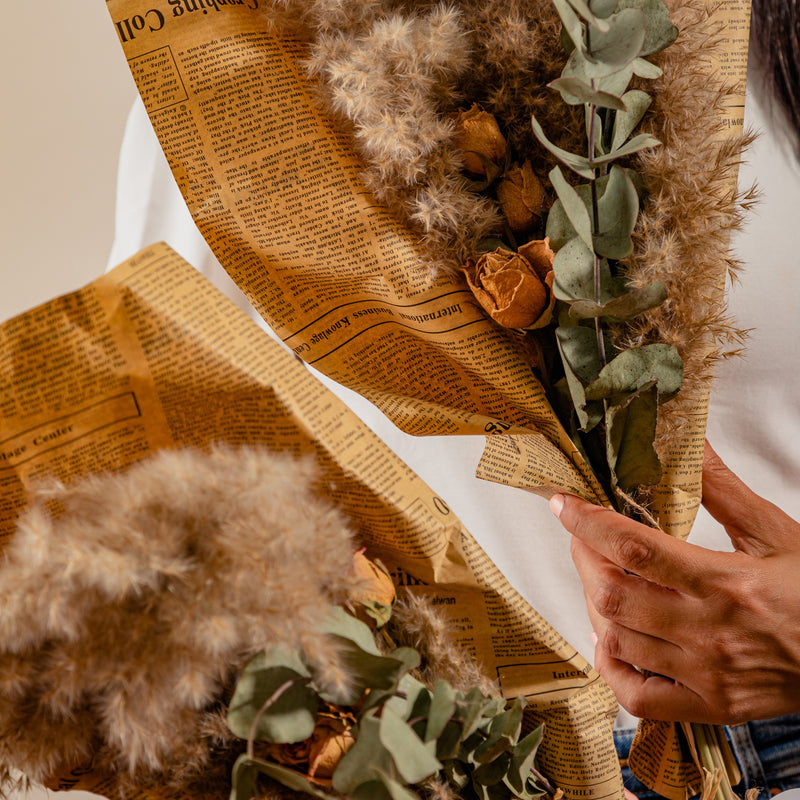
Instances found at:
x=767 y=751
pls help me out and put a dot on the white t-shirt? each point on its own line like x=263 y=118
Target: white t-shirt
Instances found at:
x=754 y=422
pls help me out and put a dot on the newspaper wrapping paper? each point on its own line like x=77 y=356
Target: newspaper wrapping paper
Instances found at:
x=274 y=188
x=152 y=356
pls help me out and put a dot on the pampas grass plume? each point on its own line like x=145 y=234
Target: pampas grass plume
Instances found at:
x=125 y=618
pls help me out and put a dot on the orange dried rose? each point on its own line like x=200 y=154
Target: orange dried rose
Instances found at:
x=479 y=136
x=521 y=197
x=509 y=286
x=373 y=582
x=538 y=254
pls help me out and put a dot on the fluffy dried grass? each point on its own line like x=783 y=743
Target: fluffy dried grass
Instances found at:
x=502 y=55
x=125 y=620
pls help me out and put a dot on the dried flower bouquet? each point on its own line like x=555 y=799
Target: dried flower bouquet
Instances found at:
x=440 y=98
x=617 y=281
x=189 y=583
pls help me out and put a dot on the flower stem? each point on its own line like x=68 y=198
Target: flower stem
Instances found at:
x=598 y=328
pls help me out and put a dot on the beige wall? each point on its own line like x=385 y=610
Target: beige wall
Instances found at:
x=65 y=91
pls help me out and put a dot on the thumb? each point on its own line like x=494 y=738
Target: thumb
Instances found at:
x=755 y=525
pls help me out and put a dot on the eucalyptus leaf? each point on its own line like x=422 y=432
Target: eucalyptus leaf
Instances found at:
x=373 y=789
x=582 y=365
x=379 y=612
x=559 y=228
x=493 y=771
x=523 y=757
x=571 y=21
x=630 y=430
x=365 y=671
x=566 y=43
x=290 y=718
x=640 y=142
x=472 y=708
x=415 y=760
x=576 y=163
x=504 y=732
x=636 y=104
x=574 y=207
x=632 y=369
x=574 y=91
x=589 y=113
x=622 y=308
x=603 y=8
x=646 y=69
x=614 y=83
x=442 y=708
x=586 y=12
x=660 y=31
x=448 y=744
x=573 y=269
x=497 y=791
x=395 y=789
x=611 y=50
x=287 y=777
x=243 y=779
x=365 y=760
x=509 y=724
x=618 y=208
x=345 y=625
x=401 y=698
x=457 y=773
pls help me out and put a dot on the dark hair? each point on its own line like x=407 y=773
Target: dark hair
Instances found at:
x=775 y=60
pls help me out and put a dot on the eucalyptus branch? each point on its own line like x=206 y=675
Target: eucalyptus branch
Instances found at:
x=615 y=395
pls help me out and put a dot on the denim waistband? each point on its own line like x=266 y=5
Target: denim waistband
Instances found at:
x=767 y=751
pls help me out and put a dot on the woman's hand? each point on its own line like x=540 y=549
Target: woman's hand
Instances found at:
x=723 y=628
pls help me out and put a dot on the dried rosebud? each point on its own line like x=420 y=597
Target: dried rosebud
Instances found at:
x=478 y=136
x=329 y=742
x=521 y=197
x=509 y=287
x=373 y=594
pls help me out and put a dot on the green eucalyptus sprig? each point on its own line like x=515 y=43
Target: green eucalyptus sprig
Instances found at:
x=614 y=396
x=404 y=733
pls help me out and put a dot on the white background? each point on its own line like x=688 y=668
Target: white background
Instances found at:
x=66 y=91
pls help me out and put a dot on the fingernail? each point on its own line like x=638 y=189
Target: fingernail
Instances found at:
x=594 y=638
x=557 y=504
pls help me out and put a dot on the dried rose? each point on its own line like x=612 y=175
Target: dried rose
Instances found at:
x=317 y=757
x=521 y=197
x=538 y=254
x=329 y=742
x=509 y=287
x=478 y=135
x=374 y=590
x=375 y=582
